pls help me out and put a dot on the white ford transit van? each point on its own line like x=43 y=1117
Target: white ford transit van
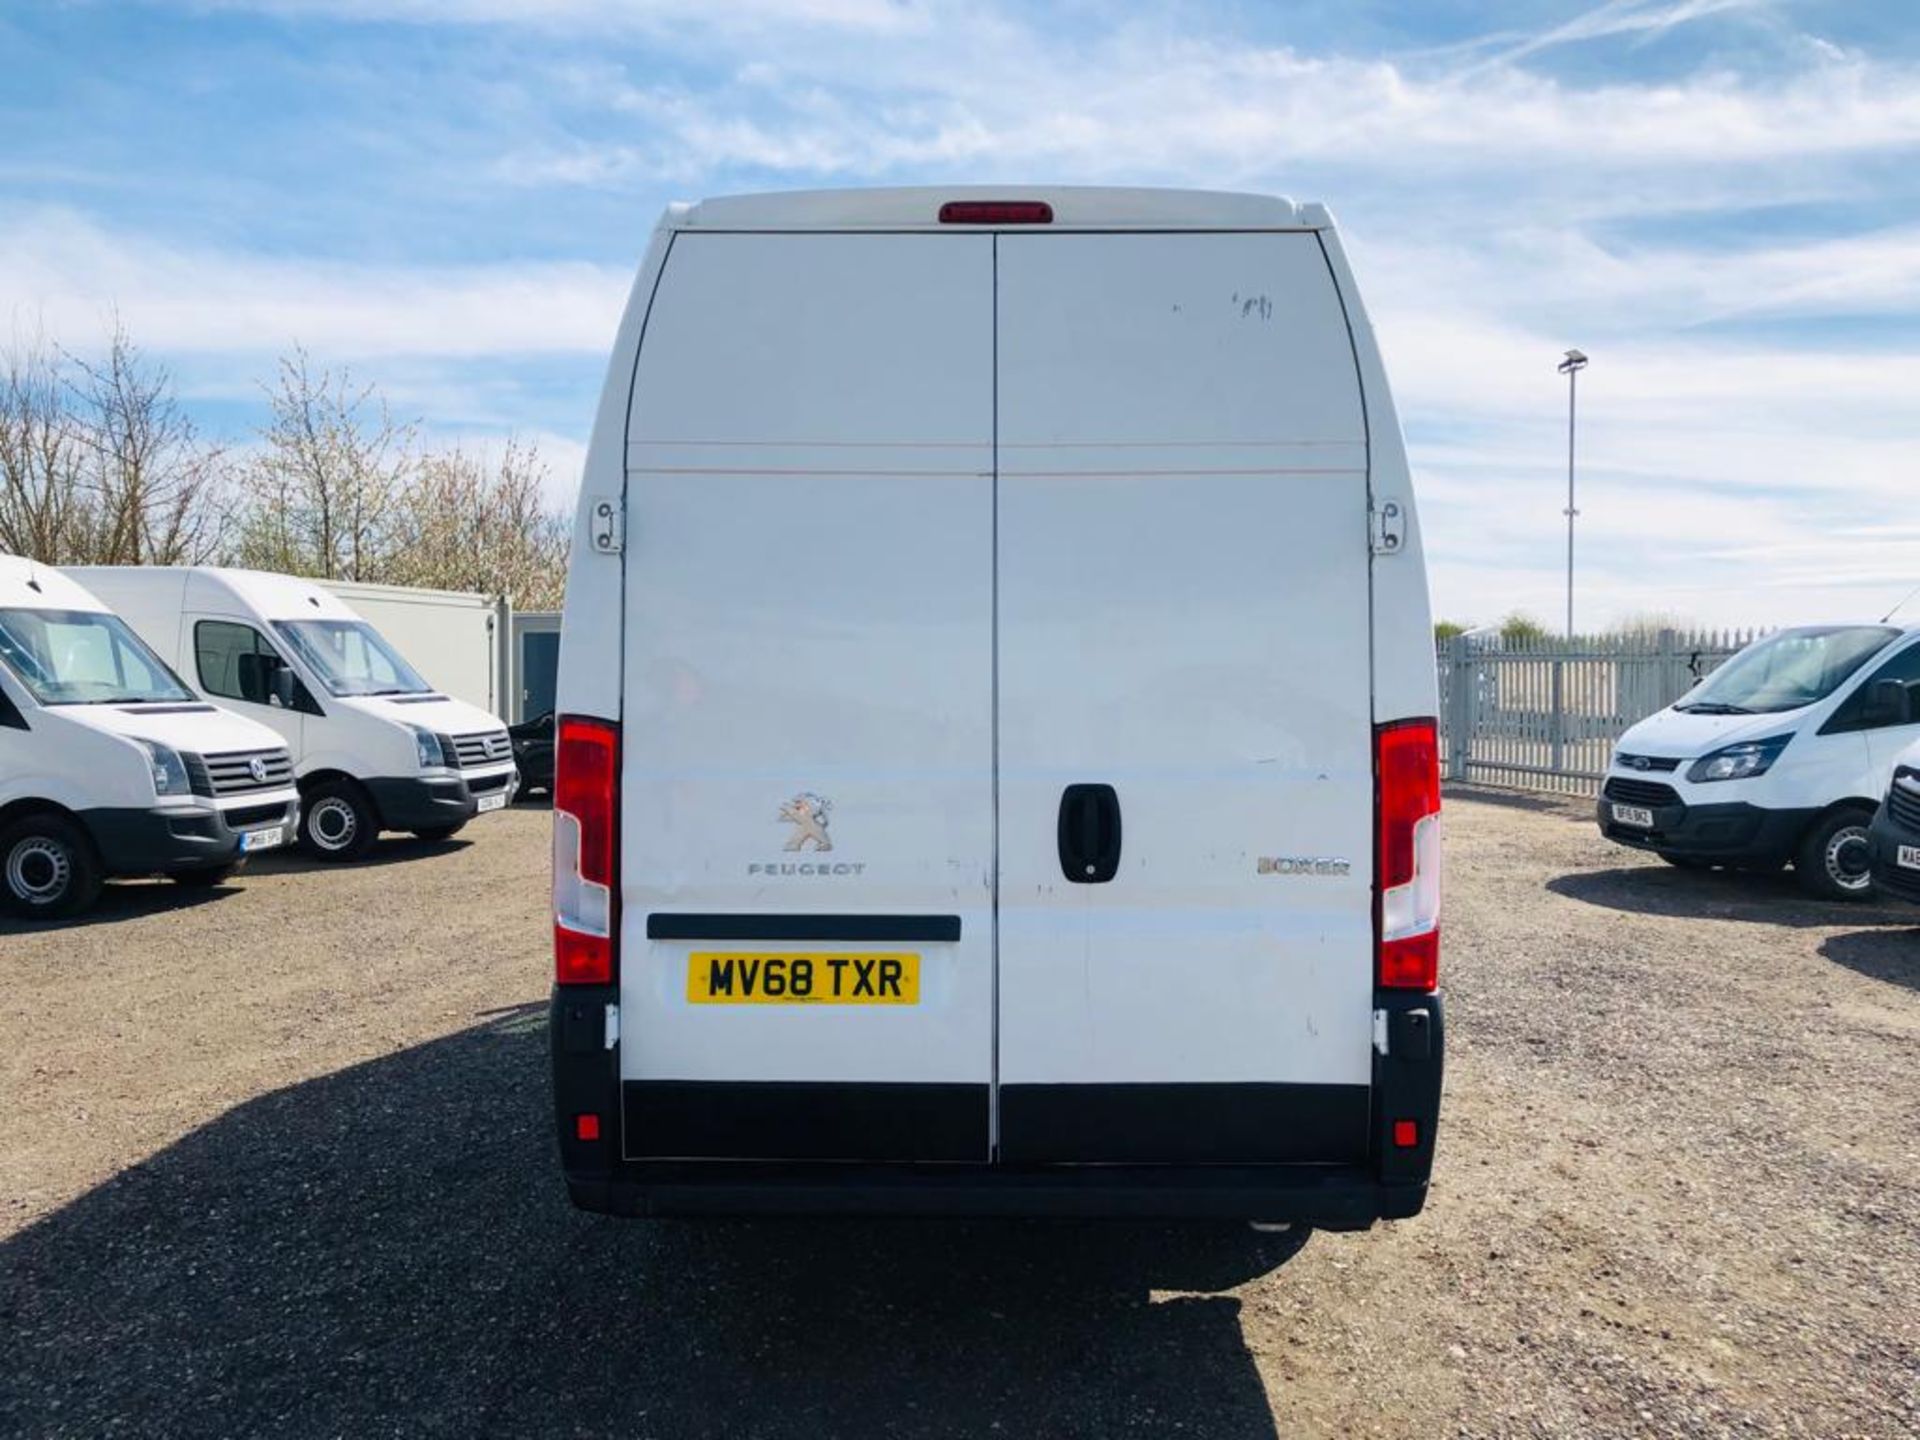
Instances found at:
x=996 y=756
x=109 y=765
x=375 y=747
x=1782 y=754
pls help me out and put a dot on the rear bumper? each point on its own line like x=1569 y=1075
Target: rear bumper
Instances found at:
x=1735 y=832
x=1889 y=876
x=161 y=841
x=1326 y=1197
x=1342 y=1170
x=428 y=802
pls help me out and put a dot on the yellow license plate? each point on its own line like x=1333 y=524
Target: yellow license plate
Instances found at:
x=813 y=977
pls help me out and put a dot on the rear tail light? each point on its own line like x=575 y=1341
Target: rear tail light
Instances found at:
x=586 y=770
x=996 y=212
x=1407 y=774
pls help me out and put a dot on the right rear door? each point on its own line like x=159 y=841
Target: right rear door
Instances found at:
x=1183 y=668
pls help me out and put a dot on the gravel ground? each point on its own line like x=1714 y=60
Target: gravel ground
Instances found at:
x=276 y=1161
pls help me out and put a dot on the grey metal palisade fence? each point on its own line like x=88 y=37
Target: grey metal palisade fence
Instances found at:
x=1544 y=713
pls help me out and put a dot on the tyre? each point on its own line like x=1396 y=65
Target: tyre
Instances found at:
x=1834 y=861
x=204 y=878
x=47 y=868
x=440 y=832
x=337 y=821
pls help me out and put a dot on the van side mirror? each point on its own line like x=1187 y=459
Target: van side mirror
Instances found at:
x=283 y=682
x=1889 y=702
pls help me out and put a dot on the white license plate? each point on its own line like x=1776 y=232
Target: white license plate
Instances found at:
x=251 y=840
x=492 y=802
x=1636 y=815
x=1909 y=857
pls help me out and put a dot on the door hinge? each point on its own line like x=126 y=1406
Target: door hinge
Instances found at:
x=609 y=527
x=1388 y=520
x=612 y=1030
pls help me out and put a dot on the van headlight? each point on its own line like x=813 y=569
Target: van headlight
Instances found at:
x=427 y=749
x=1738 y=762
x=169 y=770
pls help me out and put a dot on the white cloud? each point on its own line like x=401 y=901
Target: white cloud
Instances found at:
x=597 y=15
x=66 y=273
x=1145 y=100
x=1730 y=478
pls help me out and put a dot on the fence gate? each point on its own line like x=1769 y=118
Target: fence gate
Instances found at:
x=1544 y=714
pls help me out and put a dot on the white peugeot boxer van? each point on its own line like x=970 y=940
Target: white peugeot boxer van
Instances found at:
x=109 y=765
x=375 y=747
x=1782 y=754
x=996 y=755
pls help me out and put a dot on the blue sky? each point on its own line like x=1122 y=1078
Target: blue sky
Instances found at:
x=1717 y=199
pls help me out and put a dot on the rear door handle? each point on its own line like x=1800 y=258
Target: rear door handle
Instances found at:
x=1089 y=834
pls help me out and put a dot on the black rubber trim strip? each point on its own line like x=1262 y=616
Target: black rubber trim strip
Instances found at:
x=935 y=929
x=1197 y=1123
x=1333 y=1197
x=805 y=1120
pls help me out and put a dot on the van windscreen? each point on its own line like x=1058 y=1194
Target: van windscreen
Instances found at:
x=351 y=658
x=1788 y=670
x=83 y=657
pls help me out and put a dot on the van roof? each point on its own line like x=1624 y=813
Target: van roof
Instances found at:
x=1078 y=207
x=276 y=596
x=29 y=585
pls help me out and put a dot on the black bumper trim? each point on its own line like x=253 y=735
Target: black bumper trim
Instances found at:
x=163 y=841
x=1330 y=1197
x=804 y=1120
x=1731 y=832
x=423 y=802
x=859 y=929
x=1194 y=1123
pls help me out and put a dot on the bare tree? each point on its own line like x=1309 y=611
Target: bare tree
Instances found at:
x=44 y=502
x=467 y=522
x=155 y=486
x=322 y=494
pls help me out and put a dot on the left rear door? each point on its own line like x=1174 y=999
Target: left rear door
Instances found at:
x=808 y=722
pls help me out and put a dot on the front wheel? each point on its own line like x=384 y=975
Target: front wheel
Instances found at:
x=1835 y=860
x=47 y=869
x=337 y=821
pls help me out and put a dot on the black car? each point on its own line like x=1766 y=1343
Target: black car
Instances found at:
x=533 y=752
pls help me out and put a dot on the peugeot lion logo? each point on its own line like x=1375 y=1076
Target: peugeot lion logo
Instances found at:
x=257 y=768
x=807 y=813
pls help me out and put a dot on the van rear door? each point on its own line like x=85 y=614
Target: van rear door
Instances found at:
x=1186 y=944
x=807 y=828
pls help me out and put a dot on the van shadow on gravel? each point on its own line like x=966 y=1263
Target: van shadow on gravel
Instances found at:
x=387 y=850
x=1743 y=896
x=126 y=900
x=1889 y=955
x=388 y=1250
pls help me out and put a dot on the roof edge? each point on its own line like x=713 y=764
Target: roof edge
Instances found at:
x=917 y=207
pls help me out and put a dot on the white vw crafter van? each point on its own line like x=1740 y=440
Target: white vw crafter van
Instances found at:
x=996 y=755
x=375 y=747
x=1782 y=754
x=109 y=765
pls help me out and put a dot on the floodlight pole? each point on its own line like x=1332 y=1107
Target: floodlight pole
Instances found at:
x=1571 y=367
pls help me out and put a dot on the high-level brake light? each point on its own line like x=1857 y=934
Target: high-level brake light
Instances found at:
x=1407 y=774
x=585 y=812
x=996 y=212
